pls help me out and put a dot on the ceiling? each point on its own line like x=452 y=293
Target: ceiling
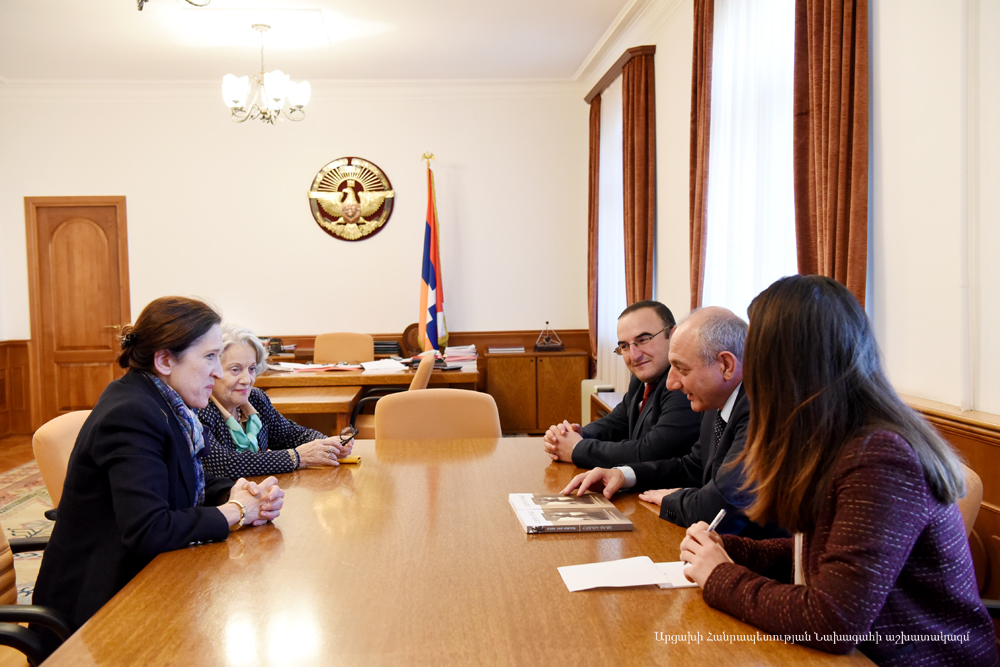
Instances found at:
x=170 y=40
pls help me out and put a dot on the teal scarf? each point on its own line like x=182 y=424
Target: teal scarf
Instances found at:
x=245 y=441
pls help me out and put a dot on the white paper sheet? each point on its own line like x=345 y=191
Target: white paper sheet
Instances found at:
x=675 y=573
x=639 y=571
x=383 y=365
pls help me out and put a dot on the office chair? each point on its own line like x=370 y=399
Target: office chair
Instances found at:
x=52 y=444
x=436 y=414
x=25 y=640
x=969 y=507
x=353 y=347
x=365 y=423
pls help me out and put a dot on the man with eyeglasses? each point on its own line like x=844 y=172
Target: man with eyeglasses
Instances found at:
x=652 y=422
x=706 y=358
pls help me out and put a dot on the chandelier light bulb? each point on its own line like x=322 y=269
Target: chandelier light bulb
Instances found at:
x=266 y=92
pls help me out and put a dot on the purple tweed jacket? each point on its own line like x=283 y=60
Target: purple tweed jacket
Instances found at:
x=887 y=569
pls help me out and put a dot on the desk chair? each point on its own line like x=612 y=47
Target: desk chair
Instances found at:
x=436 y=414
x=969 y=507
x=353 y=347
x=25 y=640
x=365 y=423
x=52 y=444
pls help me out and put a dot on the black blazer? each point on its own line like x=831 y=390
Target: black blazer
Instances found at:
x=705 y=486
x=666 y=428
x=128 y=496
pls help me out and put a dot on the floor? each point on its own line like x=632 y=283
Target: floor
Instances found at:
x=14 y=451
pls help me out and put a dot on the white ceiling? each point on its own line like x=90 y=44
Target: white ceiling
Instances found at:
x=170 y=40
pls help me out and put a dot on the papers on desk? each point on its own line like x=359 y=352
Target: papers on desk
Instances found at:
x=384 y=365
x=639 y=571
x=289 y=366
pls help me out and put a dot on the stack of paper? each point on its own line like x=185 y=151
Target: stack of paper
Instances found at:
x=506 y=350
x=639 y=571
x=384 y=365
x=461 y=353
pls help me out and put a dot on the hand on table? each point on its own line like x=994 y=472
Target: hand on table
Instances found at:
x=656 y=496
x=610 y=480
x=323 y=452
x=262 y=502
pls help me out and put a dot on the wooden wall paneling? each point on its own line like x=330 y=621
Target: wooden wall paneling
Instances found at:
x=19 y=387
x=4 y=408
x=976 y=435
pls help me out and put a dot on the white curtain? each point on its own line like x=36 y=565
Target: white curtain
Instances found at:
x=611 y=240
x=750 y=206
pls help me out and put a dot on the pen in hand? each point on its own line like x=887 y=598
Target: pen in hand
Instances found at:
x=712 y=526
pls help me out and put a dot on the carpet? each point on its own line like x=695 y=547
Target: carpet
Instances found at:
x=23 y=501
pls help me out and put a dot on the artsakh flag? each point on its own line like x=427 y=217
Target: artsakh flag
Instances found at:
x=433 y=328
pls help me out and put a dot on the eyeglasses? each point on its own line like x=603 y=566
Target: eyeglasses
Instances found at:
x=640 y=342
x=347 y=434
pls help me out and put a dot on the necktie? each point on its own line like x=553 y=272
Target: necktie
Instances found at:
x=645 y=395
x=720 y=426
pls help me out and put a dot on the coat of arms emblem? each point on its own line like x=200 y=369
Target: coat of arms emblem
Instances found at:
x=351 y=198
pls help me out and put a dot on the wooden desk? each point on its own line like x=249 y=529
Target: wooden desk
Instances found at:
x=603 y=402
x=414 y=557
x=339 y=401
x=460 y=379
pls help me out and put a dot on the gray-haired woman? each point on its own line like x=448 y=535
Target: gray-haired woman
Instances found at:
x=250 y=437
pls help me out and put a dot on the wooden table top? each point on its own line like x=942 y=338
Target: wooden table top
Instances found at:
x=300 y=400
x=361 y=378
x=414 y=557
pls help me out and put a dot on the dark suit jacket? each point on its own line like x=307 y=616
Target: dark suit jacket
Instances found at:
x=666 y=428
x=128 y=496
x=705 y=485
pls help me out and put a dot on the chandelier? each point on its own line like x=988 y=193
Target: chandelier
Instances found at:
x=266 y=91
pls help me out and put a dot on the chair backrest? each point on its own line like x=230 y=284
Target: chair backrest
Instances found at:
x=410 y=342
x=423 y=374
x=8 y=580
x=53 y=443
x=969 y=505
x=436 y=414
x=353 y=347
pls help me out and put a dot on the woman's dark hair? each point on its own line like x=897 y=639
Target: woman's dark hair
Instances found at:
x=168 y=323
x=814 y=378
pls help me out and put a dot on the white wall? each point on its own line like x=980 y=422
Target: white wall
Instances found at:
x=219 y=209
x=921 y=175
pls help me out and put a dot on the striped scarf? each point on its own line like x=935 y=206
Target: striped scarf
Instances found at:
x=192 y=429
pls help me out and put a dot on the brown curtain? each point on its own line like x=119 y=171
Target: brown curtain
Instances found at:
x=592 y=202
x=831 y=140
x=639 y=130
x=701 y=115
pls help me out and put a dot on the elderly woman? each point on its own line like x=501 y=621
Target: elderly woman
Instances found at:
x=135 y=487
x=250 y=437
x=880 y=560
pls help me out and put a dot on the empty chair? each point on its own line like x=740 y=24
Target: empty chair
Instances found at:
x=353 y=347
x=365 y=423
x=436 y=414
x=25 y=640
x=52 y=444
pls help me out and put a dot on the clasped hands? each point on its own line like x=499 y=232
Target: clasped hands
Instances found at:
x=560 y=440
x=262 y=502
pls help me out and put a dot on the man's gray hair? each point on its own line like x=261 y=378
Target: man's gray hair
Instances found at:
x=721 y=330
x=233 y=334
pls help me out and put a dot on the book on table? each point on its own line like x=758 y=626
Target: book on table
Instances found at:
x=554 y=513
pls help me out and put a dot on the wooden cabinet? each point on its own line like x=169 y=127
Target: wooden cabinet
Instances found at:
x=534 y=390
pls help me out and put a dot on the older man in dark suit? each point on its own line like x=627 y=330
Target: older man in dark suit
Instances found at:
x=706 y=363
x=652 y=422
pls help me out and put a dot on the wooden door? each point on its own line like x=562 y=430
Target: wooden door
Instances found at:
x=79 y=291
x=559 y=378
x=511 y=383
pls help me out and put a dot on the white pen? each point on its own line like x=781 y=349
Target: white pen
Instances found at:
x=717 y=520
x=712 y=526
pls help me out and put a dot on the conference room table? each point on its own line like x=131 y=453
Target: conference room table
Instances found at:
x=414 y=557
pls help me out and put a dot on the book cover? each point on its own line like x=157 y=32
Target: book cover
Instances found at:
x=553 y=513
